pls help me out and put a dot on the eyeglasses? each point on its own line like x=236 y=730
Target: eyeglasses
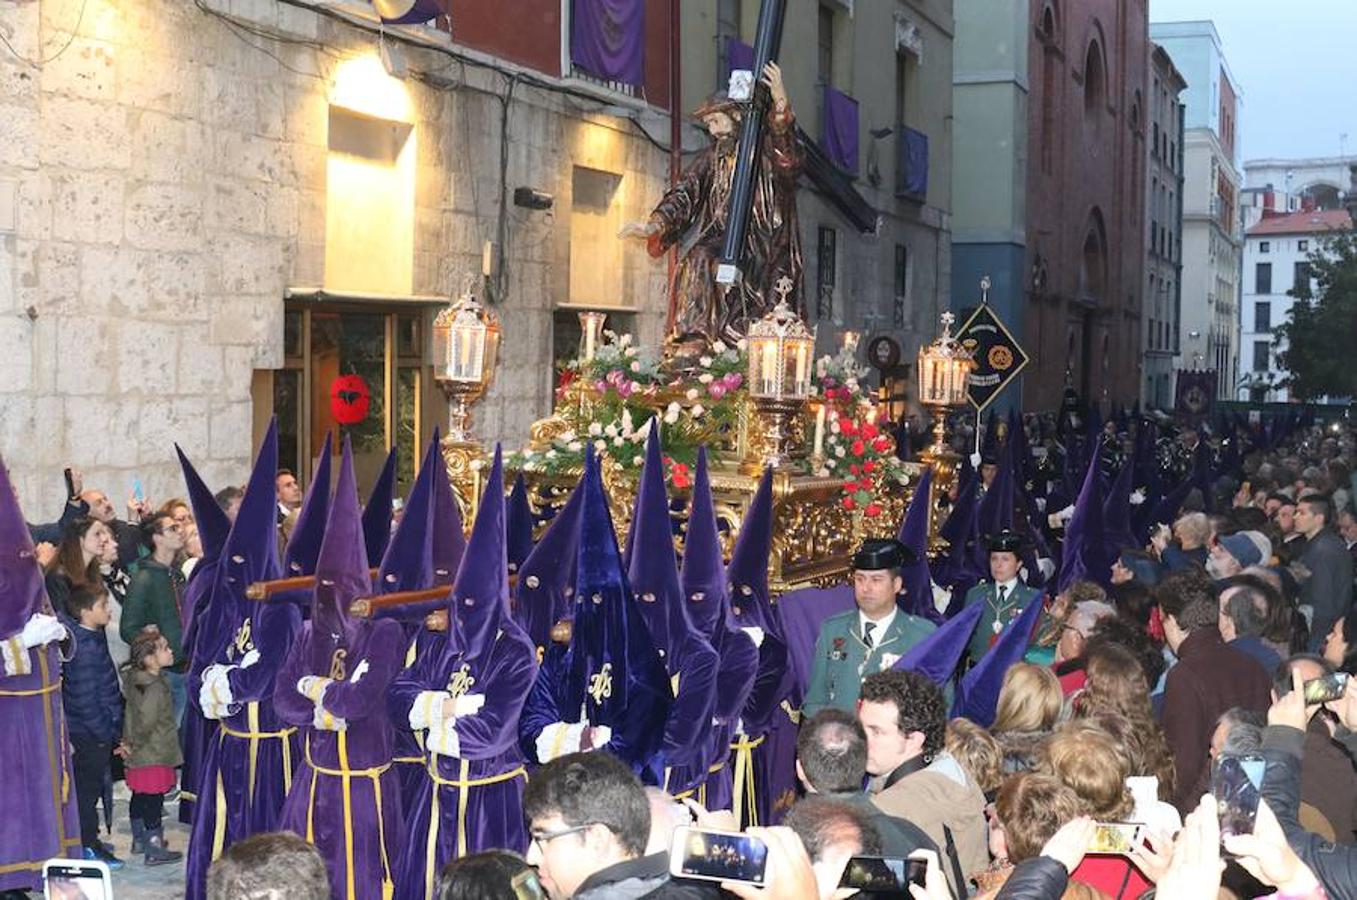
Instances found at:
x=542 y=838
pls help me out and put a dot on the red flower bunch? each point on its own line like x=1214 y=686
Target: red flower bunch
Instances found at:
x=564 y=381
x=866 y=449
x=679 y=473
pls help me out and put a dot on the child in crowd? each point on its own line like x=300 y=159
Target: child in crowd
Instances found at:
x=152 y=741
x=94 y=710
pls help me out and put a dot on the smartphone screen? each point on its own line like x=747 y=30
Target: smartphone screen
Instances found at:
x=1237 y=784
x=138 y=492
x=1326 y=687
x=717 y=856
x=886 y=874
x=71 y=879
x=1113 y=837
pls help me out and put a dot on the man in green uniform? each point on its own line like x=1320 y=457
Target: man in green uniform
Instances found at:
x=854 y=644
x=1004 y=596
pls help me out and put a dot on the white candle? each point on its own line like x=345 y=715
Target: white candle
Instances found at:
x=589 y=339
x=818 y=449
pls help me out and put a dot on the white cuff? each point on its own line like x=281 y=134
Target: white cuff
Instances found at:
x=444 y=740
x=17 y=660
x=755 y=634
x=558 y=739
x=322 y=720
x=427 y=711
x=216 y=689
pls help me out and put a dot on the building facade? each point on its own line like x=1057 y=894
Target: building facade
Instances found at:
x=230 y=205
x=1276 y=261
x=1164 y=215
x=227 y=206
x=1057 y=142
x=1318 y=182
x=1212 y=230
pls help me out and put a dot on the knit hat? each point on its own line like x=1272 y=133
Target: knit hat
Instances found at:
x=1244 y=550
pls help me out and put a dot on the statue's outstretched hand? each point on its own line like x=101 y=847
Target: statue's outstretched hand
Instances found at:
x=772 y=78
x=638 y=230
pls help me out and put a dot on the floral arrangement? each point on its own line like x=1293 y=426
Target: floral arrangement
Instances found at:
x=696 y=405
x=855 y=446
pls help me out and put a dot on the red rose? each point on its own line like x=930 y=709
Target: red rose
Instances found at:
x=849 y=503
x=881 y=444
x=681 y=480
x=869 y=467
x=858 y=448
x=847 y=427
x=853 y=468
x=868 y=430
x=872 y=511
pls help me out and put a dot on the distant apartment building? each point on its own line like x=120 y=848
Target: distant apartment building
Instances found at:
x=1276 y=260
x=1164 y=215
x=1212 y=232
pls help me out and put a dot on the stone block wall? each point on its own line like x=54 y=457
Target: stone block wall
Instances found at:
x=162 y=182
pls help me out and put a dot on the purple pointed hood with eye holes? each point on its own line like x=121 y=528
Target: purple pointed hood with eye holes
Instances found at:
x=251 y=550
x=22 y=594
x=308 y=532
x=747 y=573
x=546 y=580
x=478 y=608
x=213 y=525
x=518 y=527
x=341 y=566
x=653 y=569
x=377 y=512
x=703 y=575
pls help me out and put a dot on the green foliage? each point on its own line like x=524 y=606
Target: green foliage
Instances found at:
x=1321 y=329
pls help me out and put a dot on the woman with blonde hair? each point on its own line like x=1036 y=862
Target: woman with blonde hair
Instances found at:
x=978 y=753
x=1030 y=704
x=1117 y=690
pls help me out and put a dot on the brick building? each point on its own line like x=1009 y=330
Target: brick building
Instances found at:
x=1049 y=185
x=1086 y=198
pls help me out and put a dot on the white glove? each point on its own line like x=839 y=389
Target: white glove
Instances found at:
x=215 y=710
x=602 y=735
x=1137 y=498
x=467 y=705
x=249 y=659
x=324 y=721
x=975 y=460
x=755 y=634
x=42 y=629
x=312 y=687
x=359 y=671
x=216 y=689
x=443 y=740
x=1047 y=566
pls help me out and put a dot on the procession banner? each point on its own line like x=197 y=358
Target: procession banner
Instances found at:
x=998 y=356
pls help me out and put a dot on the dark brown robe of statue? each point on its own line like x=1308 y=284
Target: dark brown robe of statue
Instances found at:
x=696 y=209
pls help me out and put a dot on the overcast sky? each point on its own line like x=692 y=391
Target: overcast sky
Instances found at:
x=1293 y=62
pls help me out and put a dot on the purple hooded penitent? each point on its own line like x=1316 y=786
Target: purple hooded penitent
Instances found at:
x=518 y=528
x=471 y=796
x=355 y=822
x=36 y=785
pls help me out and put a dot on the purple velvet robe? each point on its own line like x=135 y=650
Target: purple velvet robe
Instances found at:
x=472 y=802
x=248 y=768
x=37 y=791
x=354 y=821
x=735 y=680
x=688 y=749
x=196 y=732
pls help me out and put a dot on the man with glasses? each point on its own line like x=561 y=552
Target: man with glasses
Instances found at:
x=155 y=597
x=588 y=819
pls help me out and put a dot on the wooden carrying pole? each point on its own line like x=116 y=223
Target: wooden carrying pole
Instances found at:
x=263 y=590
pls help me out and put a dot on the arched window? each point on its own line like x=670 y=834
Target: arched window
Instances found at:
x=1095 y=88
x=1093 y=260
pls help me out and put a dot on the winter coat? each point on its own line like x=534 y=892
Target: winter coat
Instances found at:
x=1335 y=865
x=942 y=796
x=89 y=687
x=644 y=877
x=155 y=598
x=149 y=727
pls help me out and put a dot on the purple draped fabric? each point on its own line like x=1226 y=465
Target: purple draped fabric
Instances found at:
x=840 y=138
x=739 y=54
x=607 y=39
x=913 y=176
x=802 y=613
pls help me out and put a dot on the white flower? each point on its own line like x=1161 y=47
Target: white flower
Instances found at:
x=741 y=344
x=831 y=463
x=575 y=445
x=691 y=393
x=551 y=454
x=610 y=431
x=595 y=429
x=637 y=460
x=529 y=453
x=628 y=423
x=838 y=451
x=673 y=407
x=697 y=410
x=719 y=346
x=704 y=361
x=636 y=366
x=600 y=445
x=705 y=378
x=643 y=432
x=625 y=340
x=619 y=441
x=670 y=418
x=568 y=435
x=834 y=427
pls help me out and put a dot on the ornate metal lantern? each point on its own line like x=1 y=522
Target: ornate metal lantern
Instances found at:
x=780 y=348
x=944 y=367
x=466 y=344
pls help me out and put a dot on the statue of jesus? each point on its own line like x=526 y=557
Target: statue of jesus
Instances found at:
x=695 y=210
